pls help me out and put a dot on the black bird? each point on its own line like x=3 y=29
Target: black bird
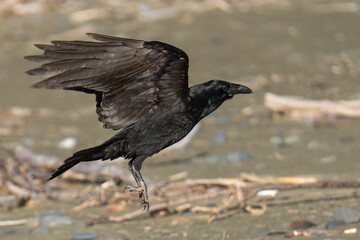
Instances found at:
x=141 y=89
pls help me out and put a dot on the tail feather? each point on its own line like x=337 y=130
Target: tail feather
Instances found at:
x=70 y=162
x=90 y=154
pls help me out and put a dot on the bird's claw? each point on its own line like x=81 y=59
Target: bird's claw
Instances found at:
x=145 y=204
x=132 y=188
x=143 y=197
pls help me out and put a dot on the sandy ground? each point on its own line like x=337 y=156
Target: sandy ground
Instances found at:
x=308 y=49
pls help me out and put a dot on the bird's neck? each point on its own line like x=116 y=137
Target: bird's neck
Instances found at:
x=203 y=101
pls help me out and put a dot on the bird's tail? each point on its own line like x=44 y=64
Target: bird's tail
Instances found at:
x=89 y=154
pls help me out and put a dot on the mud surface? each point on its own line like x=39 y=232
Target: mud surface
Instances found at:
x=302 y=48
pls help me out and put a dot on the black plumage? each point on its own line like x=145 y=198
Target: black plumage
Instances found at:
x=141 y=89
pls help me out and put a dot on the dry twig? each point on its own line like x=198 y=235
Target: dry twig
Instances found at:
x=227 y=210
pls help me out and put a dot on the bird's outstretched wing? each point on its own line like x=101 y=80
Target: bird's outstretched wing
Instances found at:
x=130 y=78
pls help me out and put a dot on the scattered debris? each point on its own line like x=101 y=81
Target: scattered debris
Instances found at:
x=325 y=232
x=24 y=177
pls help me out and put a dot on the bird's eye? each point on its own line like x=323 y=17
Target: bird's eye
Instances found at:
x=224 y=87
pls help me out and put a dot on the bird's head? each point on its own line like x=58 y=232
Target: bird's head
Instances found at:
x=227 y=90
x=210 y=95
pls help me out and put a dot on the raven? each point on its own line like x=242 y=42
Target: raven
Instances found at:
x=141 y=89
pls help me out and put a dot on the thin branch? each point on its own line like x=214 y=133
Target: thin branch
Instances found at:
x=160 y=206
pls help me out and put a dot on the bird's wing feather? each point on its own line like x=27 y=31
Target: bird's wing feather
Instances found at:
x=130 y=78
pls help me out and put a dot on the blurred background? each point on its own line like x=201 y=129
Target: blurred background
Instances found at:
x=300 y=48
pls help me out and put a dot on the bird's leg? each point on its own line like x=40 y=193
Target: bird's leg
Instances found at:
x=132 y=170
x=140 y=188
x=143 y=194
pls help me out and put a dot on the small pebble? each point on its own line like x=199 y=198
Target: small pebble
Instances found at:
x=84 y=236
x=347 y=139
x=67 y=143
x=267 y=193
x=219 y=138
x=301 y=224
x=321 y=235
x=21 y=111
x=12 y=231
x=150 y=234
x=314 y=144
x=238 y=156
x=9 y=201
x=41 y=230
x=32 y=222
x=309 y=122
x=276 y=140
x=276 y=233
x=207 y=158
x=28 y=141
x=234 y=157
x=334 y=223
x=118 y=236
x=43 y=216
x=292 y=139
x=184 y=149
x=54 y=219
x=220 y=119
x=328 y=159
x=347 y=215
x=5 y=131
x=28 y=8
x=80 y=225
x=188 y=214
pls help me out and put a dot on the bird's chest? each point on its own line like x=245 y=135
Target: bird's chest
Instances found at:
x=154 y=134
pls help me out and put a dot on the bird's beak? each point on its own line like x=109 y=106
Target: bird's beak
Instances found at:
x=237 y=89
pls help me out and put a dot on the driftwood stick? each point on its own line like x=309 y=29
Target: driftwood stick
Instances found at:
x=13 y=222
x=35 y=159
x=13 y=174
x=312 y=109
x=226 y=182
x=173 y=189
x=20 y=192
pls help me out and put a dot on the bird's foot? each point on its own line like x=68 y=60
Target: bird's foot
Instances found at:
x=143 y=196
x=132 y=188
